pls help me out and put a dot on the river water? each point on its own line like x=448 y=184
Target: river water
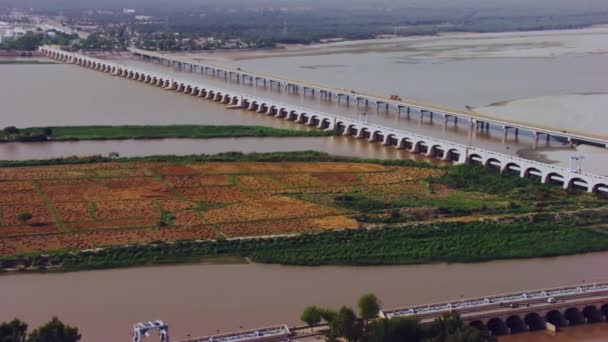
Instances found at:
x=339 y=145
x=200 y=299
x=99 y=99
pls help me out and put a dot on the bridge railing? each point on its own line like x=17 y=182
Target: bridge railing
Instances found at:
x=480 y=303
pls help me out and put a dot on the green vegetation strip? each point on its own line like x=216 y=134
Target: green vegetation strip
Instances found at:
x=19 y=61
x=444 y=242
x=150 y=132
x=296 y=156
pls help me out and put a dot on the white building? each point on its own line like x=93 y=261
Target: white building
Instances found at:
x=15 y=32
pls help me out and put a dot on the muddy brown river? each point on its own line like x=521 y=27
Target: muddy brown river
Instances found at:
x=200 y=299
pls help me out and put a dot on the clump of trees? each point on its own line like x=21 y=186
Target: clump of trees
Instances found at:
x=345 y=325
x=53 y=331
x=24 y=217
x=32 y=40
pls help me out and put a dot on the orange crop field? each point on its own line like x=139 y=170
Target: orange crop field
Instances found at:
x=46 y=208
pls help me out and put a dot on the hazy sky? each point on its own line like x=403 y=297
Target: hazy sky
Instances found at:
x=547 y=5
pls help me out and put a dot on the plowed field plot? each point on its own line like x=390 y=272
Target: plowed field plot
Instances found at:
x=86 y=206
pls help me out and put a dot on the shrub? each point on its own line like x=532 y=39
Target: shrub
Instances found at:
x=24 y=217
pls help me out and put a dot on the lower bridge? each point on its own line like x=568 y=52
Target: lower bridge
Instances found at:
x=401 y=139
x=519 y=312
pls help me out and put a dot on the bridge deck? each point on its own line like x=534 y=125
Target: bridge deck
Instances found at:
x=555 y=131
x=497 y=302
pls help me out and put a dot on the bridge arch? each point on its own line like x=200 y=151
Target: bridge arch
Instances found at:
x=406 y=143
x=280 y=112
x=532 y=172
x=452 y=154
x=577 y=183
x=493 y=163
x=302 y=117
x=375 y=135
x=574 y=316
x=515 y=324
x=511 y=168
x=592 y=314
x=534 y=321
x=497 y=327
x=349 y=129
x=325 y=123
x=313 y=120
x=554 y=178
x=390 y=140
x=434 y=150
x=363 y=132
x=556 y=318
x=600 y=188
x=475 y=158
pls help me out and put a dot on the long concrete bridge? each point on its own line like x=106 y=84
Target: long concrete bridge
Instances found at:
x=500 y=314
x=522 y=311
x=423 y=111
x=359 y=128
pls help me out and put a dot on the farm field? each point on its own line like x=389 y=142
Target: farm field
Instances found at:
x=64 y=207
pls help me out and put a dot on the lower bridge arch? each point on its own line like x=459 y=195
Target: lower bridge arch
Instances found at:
x=390 y=140
x=406 y=143
x=435 y=150
x=314 y=120
x=325 y=123
x=532 y=172
x=511 y=168
x=475 y=159
x=577 y=183
x=493 y=164
x=376 y=136
x=574 y=316
x=363 y=132
x=592 y=314
x=515 y=324
x=350 y=129
x=497 y=327
x=452 y=155
x=556 y=318
x=534 y=321
x=600 y=188
x=554 y=178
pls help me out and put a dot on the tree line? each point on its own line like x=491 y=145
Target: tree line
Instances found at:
x=53 y=331
x=346 y=325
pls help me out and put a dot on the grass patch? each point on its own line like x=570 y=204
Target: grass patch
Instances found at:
x=295 y=156
x=445 y=242
x=153 y=132
x=19 y=61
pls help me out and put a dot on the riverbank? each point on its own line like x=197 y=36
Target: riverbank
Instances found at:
x=457 y=45
x=24 y=61
x=72 y=133
x=303 y=208
x=420 y=244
